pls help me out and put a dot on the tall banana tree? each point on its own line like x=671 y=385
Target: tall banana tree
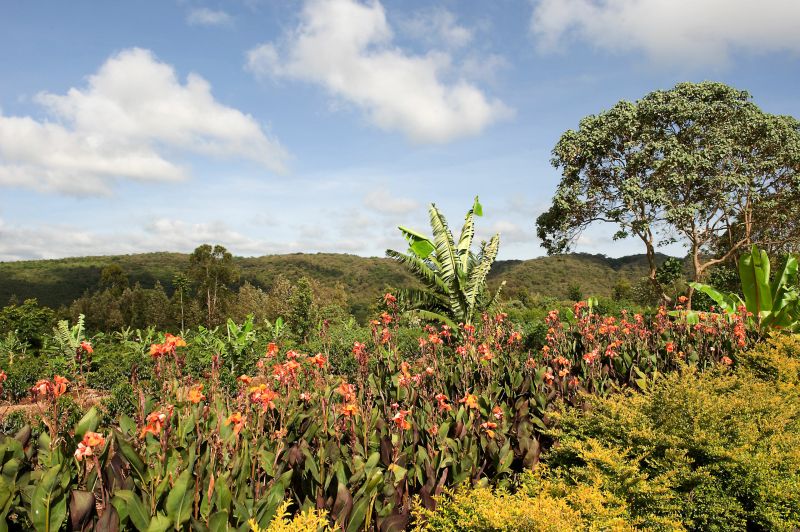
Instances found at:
x=453 y=275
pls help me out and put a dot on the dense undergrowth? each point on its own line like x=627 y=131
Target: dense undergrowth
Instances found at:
x=232 y=428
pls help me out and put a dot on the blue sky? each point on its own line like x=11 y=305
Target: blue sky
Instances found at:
x=320 y=125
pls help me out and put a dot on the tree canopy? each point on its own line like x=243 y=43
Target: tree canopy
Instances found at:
x=698 y=164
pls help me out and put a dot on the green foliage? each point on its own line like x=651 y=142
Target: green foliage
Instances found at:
x=23 y=374
x=774 y=301
x=716 y=451
x=212 y=271
x=28 y=322
x=484 y=510
x=301 y=317
x=453 y=275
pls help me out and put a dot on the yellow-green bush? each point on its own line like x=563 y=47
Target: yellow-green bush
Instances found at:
x=713 y=451
x=481 y=509
x=307 y=521
x=776 y=359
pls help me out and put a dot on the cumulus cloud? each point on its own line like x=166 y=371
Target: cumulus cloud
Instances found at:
x=347 y=47
x=435 y=25
x=204 y=16
x=133 y=110
x=695 y=32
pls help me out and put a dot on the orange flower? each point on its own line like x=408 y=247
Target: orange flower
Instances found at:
x=349 y=409
x=59 y=385
x=237 y=420
x=670 y=347
x=94 y=439
x=196 y=394
x=87 y=347
x=272 y=350
x=489 y=427
x=174 y=341
x=82 y=451
x=726 y=360
x=318 y=360
x=497 y=412
x=244 y=379
x=42 y=388
x=444 y=406
x=154 y=423
x=469 y=400
x=347 y=391
x=400 y=420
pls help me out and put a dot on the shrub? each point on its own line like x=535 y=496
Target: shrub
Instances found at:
x=22 y=375
x=715 y=451
x=482 y=509
x=776 y=360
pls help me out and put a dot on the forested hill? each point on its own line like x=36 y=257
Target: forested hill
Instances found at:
x=59 y=282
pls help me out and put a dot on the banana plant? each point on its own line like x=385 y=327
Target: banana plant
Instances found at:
x=774 y=304
x=453 y=275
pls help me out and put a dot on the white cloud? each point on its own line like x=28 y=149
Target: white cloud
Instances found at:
x=204 y=16
x=694 y=32
x=347 y=47
x=133 y=110
x=382 y=201
x=435 y=25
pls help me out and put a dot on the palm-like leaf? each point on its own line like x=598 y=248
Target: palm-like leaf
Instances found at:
x=454 y=276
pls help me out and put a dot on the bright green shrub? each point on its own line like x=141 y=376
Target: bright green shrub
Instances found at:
x=776 y=359
x=310 y=520
x=481 y=509
x=22 y=375
x=540 y=502
x=715 y=451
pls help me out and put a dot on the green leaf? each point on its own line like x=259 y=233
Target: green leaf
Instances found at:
x=48 y=503
x=477 y=208
x=754 y=274
x=88 y=422
x=136 y=511
x=419 y=244
x=179 y=500
x=133 y=458
x=159 y=523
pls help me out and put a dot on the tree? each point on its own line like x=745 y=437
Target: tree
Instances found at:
x=302 y=310
x=181 y=284
x=698 y=164
x=212 y=270
x=113 y=278
x=607 y=168
x=723 y=166
x=453 y=275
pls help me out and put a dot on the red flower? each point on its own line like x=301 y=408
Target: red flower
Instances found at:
x=196 y=394
x=87 y=347
x=272 y=350
x=237 y=420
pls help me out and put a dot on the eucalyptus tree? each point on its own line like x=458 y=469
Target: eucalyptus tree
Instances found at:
x=454 y=277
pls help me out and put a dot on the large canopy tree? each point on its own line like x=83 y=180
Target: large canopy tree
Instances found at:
x=699 y=164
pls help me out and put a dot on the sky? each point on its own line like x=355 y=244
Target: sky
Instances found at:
x=283 y=126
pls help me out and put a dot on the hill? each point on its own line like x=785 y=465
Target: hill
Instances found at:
x=58 y=282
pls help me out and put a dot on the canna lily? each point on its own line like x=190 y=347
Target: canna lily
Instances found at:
x=87 y=347
x=59 y=385
x=400 y=420
x=90 y=442
x=318 y=360
x=349 y=409
x=272 y=350
x=444 y=406
x=154 y=423
x=347 y=391
x=237 y=420
x=196 y=394
x=497 y=412
x=245 y=379
x=489 y=427
x=469 y=400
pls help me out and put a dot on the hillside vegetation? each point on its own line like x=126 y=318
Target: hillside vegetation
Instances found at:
x=60 y=281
